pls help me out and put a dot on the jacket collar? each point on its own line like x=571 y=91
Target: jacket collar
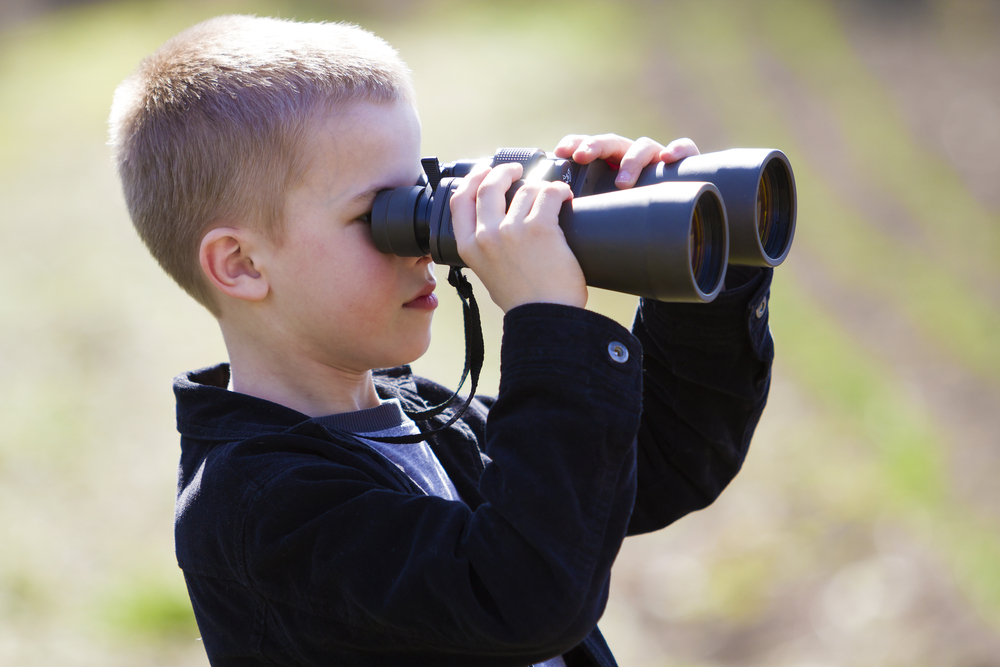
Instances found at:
x=207 y=410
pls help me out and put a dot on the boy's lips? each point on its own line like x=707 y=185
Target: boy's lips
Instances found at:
x=425 y=300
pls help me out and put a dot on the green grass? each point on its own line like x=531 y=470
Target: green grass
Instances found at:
x=148 y=608
x=860 y=391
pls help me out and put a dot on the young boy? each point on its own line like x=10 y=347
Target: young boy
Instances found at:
x=250 y=151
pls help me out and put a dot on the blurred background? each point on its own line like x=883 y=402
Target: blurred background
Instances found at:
x=865 y=526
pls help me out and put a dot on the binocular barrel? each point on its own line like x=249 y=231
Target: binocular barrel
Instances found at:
x=666 y=242
x=759 y=190
x=669 y=238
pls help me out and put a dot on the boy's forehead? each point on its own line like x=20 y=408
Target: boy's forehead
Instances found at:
x=363 y=145
x=365 y=122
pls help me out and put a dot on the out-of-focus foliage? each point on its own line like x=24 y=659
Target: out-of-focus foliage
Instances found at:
x=865 y=528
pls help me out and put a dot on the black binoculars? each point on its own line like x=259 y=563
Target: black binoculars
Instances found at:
x=669 y=238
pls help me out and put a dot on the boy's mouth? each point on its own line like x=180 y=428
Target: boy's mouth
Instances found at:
x=425 y=300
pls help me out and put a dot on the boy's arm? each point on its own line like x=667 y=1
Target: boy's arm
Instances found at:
x=706 y=375
x=706 y=367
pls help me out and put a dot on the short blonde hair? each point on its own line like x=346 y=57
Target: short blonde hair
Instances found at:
x=211 y=126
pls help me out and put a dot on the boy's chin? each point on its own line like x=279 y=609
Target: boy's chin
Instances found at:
x=422 y=352
x=408 y=356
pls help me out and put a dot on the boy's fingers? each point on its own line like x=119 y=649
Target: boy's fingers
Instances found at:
x=679 y=149
x=549 y=200
x=463 y=201
x=520 y=205
x=568 y=144
x=585 y=149
x=630 y=156
x=534 y=201
x=641 y=153
x=491 y=196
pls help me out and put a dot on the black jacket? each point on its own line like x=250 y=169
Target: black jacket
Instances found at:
x=301 y=545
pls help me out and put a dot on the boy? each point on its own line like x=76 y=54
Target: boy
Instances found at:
x=250 y=151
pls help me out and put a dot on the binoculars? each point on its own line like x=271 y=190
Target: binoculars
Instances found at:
x=670 y=237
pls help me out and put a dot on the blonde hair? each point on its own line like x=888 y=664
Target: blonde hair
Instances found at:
x=211 y=126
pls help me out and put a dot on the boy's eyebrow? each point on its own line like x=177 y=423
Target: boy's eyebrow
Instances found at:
x=369 y=194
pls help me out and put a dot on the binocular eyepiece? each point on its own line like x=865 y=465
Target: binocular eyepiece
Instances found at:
x=668 y=238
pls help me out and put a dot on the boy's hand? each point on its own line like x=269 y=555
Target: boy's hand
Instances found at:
x=521 y=254
x=631 y=156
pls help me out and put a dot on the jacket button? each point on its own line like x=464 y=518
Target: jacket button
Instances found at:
x=761 y=308
x=618 y=352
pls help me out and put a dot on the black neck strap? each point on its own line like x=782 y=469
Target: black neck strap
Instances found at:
x=474 y=354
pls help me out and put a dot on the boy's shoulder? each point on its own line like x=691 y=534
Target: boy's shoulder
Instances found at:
x=247 y=461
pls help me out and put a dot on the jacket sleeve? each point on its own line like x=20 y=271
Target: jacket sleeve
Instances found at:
x=331 y=545
x=706 y=375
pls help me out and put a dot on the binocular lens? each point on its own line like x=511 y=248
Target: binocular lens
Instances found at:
x=697 y=243
x=707 y=242
x=775 y=208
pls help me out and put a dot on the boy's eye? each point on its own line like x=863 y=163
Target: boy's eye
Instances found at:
x=366 y=218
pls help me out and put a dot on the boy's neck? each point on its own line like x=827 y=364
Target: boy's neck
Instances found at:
x=304 y=385
x=310 y=394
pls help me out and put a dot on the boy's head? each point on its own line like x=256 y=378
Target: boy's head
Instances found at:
x=213 y=128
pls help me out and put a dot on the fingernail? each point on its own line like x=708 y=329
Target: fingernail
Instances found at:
x=624 y=176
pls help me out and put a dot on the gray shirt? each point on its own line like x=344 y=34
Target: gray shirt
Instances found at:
x=417 y=460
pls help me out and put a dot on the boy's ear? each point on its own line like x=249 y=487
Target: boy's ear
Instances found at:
x=226 y=257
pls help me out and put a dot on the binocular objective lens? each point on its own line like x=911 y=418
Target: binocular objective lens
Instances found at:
x=774 y=208
x=765 y=212
x=706 y=242
x=696 y=242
